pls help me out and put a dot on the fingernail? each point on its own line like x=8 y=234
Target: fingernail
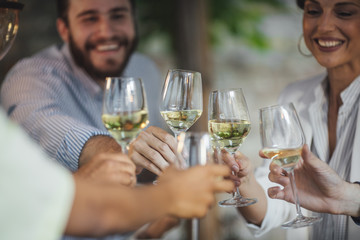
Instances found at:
x=235 y=168
x=237 y=183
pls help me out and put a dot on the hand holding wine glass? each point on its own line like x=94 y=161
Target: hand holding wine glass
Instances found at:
x=321 y=188
x=229 y=124
x=195 y=149
x=181 y=103
x=282 y=140
x=124 y=109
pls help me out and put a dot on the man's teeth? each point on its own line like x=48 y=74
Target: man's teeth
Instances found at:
x=107 y=47
x=323 y=43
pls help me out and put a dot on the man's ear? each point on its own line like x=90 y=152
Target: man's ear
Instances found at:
x=63 y=29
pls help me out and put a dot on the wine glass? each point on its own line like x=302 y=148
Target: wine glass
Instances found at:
x=124 y=111
x=9 y=24
x=229 y=124
x=194 y=149
x=282 y=141
x=181 y=104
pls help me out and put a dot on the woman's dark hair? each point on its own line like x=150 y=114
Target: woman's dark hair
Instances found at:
x=63 y=8
x=300 y=3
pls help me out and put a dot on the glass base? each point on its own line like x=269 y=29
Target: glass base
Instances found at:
x=237 y=202
x=301 y=221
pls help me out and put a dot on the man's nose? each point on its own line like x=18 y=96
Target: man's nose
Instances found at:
x=106 y=28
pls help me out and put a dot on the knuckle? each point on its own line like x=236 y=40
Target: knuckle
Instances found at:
x=135 y=158
x=163 y=147
x=128 y=181
x=129 y=163
x=136 y=144
x=142 y=135
x=101 y=156
x=272 y=178
x=202 y=211
x=169 y=138
x=108 y=164
x=148 y=165
x=150 y=128
x=153 y=154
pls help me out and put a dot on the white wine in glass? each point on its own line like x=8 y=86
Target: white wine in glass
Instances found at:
x=229 y=125
x=181 y=104
x=282 y=141
x=286 y=158
x=229 y=134
x=124 y=112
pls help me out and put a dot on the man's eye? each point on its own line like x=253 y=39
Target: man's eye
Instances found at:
x=344 y=14
x=90 y=19
x=117 y=16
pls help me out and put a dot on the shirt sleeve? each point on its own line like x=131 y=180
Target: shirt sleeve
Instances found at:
x=42 y=99
x=36 y=193
x=277 y=211
x=356 y=219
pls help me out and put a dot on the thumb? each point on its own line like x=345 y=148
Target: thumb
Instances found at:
x=308 y=157
x=306 y=154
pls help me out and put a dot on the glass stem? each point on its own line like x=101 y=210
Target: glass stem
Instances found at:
x=194 y=229
x=124 y=147
x=295 y=194
x=237 y=192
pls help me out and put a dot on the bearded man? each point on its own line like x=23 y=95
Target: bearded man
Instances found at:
x=56 y=95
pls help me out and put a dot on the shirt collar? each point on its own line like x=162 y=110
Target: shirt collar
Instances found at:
x=350 y=95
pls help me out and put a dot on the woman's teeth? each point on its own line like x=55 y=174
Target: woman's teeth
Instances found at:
x=329 y=44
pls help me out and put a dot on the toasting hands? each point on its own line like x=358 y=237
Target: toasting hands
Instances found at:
x=320 y=188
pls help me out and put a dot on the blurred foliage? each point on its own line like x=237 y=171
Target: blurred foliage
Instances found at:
x=242 y=19
x=239 y=18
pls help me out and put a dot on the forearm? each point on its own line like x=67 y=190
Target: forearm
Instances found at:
x=62 y=137
x=254 y=213
x=98 y=144
x=351 y=200
x=100 y=210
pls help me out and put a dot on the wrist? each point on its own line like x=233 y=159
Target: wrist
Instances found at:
x=247 y=183
x=351 y=200
x=98 y=144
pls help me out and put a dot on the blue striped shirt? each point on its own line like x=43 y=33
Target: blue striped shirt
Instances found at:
x=60 y=106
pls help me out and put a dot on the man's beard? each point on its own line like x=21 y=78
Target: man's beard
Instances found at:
x=83 y=60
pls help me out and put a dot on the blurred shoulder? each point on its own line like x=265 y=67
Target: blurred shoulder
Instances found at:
x=38 y=72
x=141 y=65
x=140 y=57
x=46 y=59
x=301 y=88
x=307 y=83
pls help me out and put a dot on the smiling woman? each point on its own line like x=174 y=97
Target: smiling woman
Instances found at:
x=331 y=31
x=328 y=108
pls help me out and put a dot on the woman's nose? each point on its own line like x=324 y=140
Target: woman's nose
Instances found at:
x=326 y=23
